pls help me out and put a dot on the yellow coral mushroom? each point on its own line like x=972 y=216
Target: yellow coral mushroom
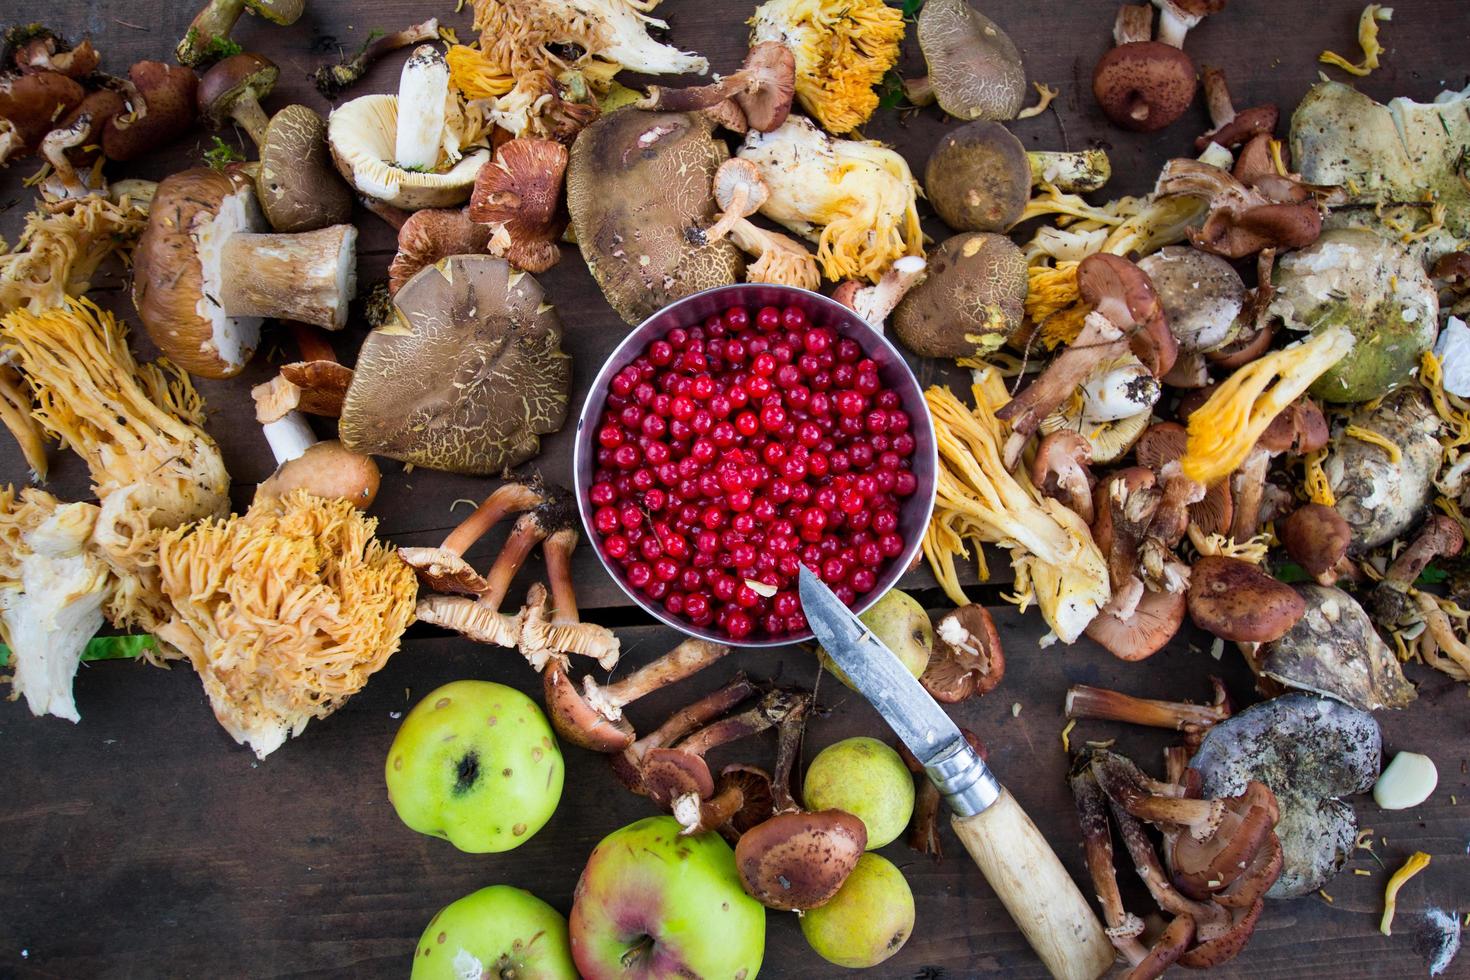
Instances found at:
x=284 y=612
x=1224 y=429
x=62 y=246
x=856 y=199
x=1367 y=40
x=1416 y=863
x=842 y=47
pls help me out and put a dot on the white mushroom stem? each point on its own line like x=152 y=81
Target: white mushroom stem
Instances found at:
x=310 y=276
x=66 y=182
x=10 y=142
x=874 y=303
x=289 y=436
x=423 y=92
x=1119 y=393
x=1135 y=22
x=1174 y=22
x=1072 y=172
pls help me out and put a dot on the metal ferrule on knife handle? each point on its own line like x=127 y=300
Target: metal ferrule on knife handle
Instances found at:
x=963 y=779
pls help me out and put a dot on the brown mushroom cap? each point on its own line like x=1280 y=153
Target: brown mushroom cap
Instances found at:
x=1316 y=537
x=518 y=193
x=1237 y=601
x=770 y=67
x=31 y=48
x=581 y=724
x=327 y=469
x=979 y=178
x=975 y=70
x=797 y=861
x=167 y=93
x=1059 y=470
x=431 y=235
x=323 y=386
x=444 y=570
x=1163 y=443
x=31 y=104
x=1122 y=292
x=669 y=773
x=233 y=89
x=967 y=659
x=1144 y=85
x=636 y=182
x=298 y=187
x=1152 y=625
x=970 y=300
x=1201 y=295
x=468 y=376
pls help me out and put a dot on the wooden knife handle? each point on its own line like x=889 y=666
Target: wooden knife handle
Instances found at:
x=1029 y=878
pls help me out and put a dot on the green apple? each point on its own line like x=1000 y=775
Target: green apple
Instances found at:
x=902 y=624
x=867 y=921
x=651 y=903
x=498 y=931
x=475 y=763
x=867 y=779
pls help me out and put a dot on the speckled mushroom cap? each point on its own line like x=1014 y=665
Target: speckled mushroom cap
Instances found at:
x=970 y=301
x=638 y=185
x=466 y=377
x=297 y=187
x=974 y=66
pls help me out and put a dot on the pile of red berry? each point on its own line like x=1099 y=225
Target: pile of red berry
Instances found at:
x=730 y=453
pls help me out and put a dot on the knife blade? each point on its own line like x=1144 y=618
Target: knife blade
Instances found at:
x=1001 y=839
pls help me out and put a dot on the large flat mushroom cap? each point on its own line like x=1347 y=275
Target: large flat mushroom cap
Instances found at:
x=176 y=270
x=1310 y=752
x=974 y=66
x=466 y=377
x=639 y=186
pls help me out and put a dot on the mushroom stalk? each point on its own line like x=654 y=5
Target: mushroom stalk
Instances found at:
x=1389 y=601
x=1132 y=791
x=1151 y=872
x=1166 y=950
x=1072 y=172
x=679 y=724
x=1134 y=23
x=508 y=498
x=210 y=25
x=54 y=147
x=697 y=816
x=423 y=91
x=1106 y=705
x=685 y=660
x=874 y=303
x=331 y=80
x=309 y=276
x=524 y=536
x=1124 y=927
x=772 y=709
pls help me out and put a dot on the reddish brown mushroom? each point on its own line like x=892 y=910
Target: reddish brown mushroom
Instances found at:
x=1084 y=701
x=232 y=90
x=518 y=195
x=443 y=569
x=29 y=108
x=1142 y=84
x=1236 y=601
x=762 y=89
x=33 y=48
x=1317 y=537
x=161 y=109
x=1163 y=443
x=759 y=800
x=1155 y=620
x=431 y=234
x=1390 y=603
x=797 y=859
x=1232 y=128
x=1136 y=794
x=967 y=659
x=1059 y=470
x=1272 y=212
x=1299 y=428
x=627 y=764
x=1123 y=927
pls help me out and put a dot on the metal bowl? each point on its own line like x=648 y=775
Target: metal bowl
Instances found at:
x=820 y=310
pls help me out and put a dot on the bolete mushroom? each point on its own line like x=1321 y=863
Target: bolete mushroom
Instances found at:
x=1142 y=84
x=232 y=90
x=1310 y=752
x=970 y=301
x=205 y=274
x=1333 y=650
x=1236 y=601
x=979 y=176
x=29 y=107
x=468 y=376
x=209 y=33
x=408 y=150
x=518 y=196
x=637 y=182
x=975 y=70
x=967 y=660
x=297 y=186
x=1382 y=492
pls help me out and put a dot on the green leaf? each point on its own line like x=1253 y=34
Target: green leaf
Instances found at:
x=1431 y=576
x=1291 y=573
x=911 y=8
x=105 y=648
x=890 y=90
x=221 y=154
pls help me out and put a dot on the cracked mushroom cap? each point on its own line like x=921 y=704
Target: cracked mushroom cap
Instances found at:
x=1310 y=752
x=970 y=300
x=1334 y=650
x=638 y=185
x=296 y=185
x=979 y=178
x=468 y=375
x=363 y=134
x=974 y=66
x=519 y=194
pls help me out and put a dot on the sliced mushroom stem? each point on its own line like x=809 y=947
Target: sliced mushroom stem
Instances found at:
x=1155 y=879
x=1074 y=172
x=874 y=303
x=1102 y=704
x=1217 y=96
x=331 y=80
x=511 y=497
x=1123 y=927
x=310 y=276
x=698 y=816
x=524 y=536
x=685 y=660
x=677 y=725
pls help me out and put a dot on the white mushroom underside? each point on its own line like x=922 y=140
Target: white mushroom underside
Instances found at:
x=231 y=339
x=363 y=134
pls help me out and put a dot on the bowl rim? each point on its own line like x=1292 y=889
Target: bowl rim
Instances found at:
x=925 y=467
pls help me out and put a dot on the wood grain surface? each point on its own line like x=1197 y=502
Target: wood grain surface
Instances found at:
x=144 y=843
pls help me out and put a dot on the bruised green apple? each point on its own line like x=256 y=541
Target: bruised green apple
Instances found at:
x=867 y=921
x=902 y=624
x=651 y=903
x=498 y=931
x=475 y=763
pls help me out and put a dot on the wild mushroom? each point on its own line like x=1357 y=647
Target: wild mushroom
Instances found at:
x=1059 y=470
x=841 y=50
x=1300 y=428
x=232 y=90
x=1110 y=408
x=29 y=108
x=1236 y=601
x=874 y=303
x=1271 y=212
x=1142 y=84
x=297 y=186
x=1333 y=650
x=431 y=235
x=518 y=196
x=443 y=569
x=1229 y=127
x=1381 y=492
x=928 y=804
x=979 y=176
x=161 y=108
x=1141 y=797
x=636 y=182
x=967 y=660
x=970 y=301
x=1124 y=504
x=1309 y=752
x=627 y=764
x=1153 y=623
x=1179 y=17
x=797 y=859
x=1316 y=537
x=408 y=150
x=1193 y=720
x=204 y=276
x=1123 y=927
x=758 y=800
x=1389 y=602
x=1161 y=444
x=468 y=376
x=209 y=33
x=763 y=88
x=1202 y=297
x=740 y=191
x=975 y=70
x=1373 y=287
x=75 y=141
x=31 y=48
x=332 y=80
x=593 y=717
x=1126 y=315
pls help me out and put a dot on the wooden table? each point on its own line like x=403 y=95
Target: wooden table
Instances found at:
x=143 y=842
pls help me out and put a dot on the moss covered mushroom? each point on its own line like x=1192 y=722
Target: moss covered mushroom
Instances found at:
x=466 y=377
x=638 y=184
